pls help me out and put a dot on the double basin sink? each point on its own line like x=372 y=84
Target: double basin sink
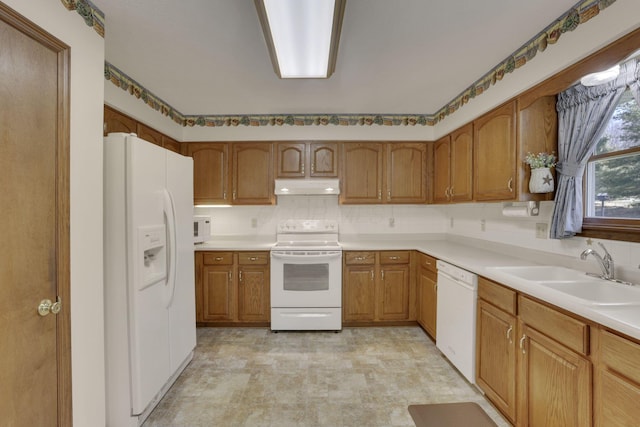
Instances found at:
x=586 y=289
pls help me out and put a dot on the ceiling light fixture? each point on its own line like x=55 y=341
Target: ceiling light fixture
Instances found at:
x=302 y=35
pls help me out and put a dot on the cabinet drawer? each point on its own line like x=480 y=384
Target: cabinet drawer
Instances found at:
x=620 y=355
x=572 y=333
x=355 y=258
x=428 y=262
x=253 y=258
x=498 y=295
x=218 y=258
x=394 y=257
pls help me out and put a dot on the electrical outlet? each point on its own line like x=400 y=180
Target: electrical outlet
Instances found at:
x=254 y=222
x=392 y=222
x=541 y=230
x=483 y=225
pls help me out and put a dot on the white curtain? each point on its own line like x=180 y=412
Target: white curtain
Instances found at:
x=583 y=115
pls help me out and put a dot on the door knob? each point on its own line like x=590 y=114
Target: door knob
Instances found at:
x=45 y=307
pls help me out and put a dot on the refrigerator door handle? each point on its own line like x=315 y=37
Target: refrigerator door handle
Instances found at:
x=172 y=250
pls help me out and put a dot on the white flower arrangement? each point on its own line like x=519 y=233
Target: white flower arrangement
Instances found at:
x=540 y=160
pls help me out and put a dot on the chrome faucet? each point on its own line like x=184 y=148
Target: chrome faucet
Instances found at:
x=606 y=263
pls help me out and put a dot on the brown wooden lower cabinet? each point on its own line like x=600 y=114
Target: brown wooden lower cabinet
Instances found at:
x=232 y=287
x=617 y=381
x=427 y=293
x=378 y=287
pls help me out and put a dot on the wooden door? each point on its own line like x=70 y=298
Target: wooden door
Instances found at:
x=35 y=359
x=442 y=170
x=290 y=160
x=361 y=173
x=554 y=382
x=461 y=189
x=323 y=159
x=252 y=172
x=406 y=172
x=496 y=357
x=210 y=172
x=393 y=297
x=253 y=293
x=494 y=154
x=428 y=301
x=358 y=293
x=218 y=289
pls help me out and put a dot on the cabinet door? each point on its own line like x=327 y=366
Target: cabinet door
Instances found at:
x=428 y=297
x=461 y=186
x=218 y=299
x=115 y=121
x=494 y=151
x=393 y=295
x=361 y=173
x=252 y=171
x=253 y=294
x=149 y=134
x=290 y=160
x=406 y=172
x=171 y=144
x=210 y=172
x=442 y=171
x=323 y=159
x=555 y=384
x=358 y=293
x=496 y=357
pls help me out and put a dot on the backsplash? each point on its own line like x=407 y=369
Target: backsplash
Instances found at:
x=479 y=224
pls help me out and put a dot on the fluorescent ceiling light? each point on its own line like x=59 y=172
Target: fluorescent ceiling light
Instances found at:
x=602 y=77
x=302 y=35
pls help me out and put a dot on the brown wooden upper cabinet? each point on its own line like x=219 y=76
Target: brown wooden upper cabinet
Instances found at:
x=252 y=173
x=494 y=154
x=384 y=172
x=306 y=159
x=453 y=167
x=115 y=121
x=210 y=172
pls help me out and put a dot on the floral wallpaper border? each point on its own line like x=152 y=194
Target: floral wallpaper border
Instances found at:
x=92 y=16
x=582 y=12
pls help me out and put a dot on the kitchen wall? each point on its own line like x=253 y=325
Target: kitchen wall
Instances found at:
x=353 y=219
x=87 y=86
x=479 y=224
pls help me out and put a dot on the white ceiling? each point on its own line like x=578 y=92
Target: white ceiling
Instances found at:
x=395 y=56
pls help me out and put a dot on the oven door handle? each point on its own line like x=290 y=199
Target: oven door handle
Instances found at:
x=293 y=257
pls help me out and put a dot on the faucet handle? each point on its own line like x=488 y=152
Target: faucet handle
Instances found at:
x=606 y=252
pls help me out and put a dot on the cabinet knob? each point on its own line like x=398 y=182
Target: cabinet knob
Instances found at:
x=509 y=333
x=394 y=257
x=218 y=258
x=450 y=192
x=524 y=337
x=372 y=276
x=509 y=184
x=380 y=195
x=253 y=258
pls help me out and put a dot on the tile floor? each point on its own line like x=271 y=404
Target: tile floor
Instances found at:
x=359 y=377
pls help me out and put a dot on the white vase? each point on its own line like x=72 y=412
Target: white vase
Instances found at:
x=541 y=181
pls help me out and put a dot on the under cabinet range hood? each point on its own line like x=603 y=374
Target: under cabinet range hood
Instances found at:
x=307 y=187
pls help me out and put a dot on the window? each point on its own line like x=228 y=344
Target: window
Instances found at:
x=612 y=180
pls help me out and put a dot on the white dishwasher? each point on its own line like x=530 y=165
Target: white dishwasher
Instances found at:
x=456 y=318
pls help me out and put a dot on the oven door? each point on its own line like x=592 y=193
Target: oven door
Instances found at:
x=306 y=279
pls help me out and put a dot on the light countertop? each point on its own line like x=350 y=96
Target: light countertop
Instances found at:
x=479 y=260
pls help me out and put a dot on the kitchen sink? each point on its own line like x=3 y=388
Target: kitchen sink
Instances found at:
x=587 y=289
x=598 y=292
x=542 y=273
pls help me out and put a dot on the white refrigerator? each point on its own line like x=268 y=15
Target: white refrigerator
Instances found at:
x=149 y=290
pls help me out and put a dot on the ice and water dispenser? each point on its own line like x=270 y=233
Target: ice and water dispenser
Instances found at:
x=152 y=241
